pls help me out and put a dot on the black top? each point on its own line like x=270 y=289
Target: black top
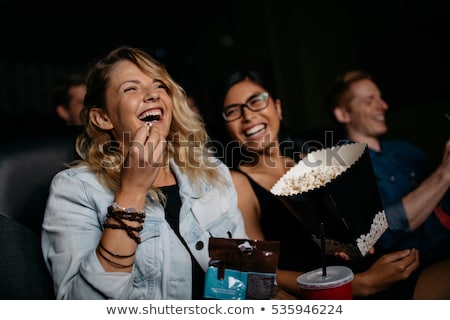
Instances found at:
x=172 y=211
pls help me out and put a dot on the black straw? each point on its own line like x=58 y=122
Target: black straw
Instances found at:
x=322 y=246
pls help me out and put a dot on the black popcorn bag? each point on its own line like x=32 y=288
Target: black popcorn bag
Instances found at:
x=337 y=187
x=241 y=269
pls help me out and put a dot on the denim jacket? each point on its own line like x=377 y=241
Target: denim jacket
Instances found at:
x=72 y=227
x=400 y=167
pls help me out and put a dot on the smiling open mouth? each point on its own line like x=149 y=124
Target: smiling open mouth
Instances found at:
x=151 y=116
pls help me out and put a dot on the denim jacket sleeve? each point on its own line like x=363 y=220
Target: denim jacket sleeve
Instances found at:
x=397 y=222
x=71 y=230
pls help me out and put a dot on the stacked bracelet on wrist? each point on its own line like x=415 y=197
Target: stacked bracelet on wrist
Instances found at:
x=120 y=214
x=131 y=210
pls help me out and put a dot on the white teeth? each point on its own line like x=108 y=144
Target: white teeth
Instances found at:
x=254 y=129
x=151 y=113
x=379 y=117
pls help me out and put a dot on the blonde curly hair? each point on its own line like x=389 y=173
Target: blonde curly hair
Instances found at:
x=187 y=138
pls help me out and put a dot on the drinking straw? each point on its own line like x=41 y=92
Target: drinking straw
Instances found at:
x=322 y=247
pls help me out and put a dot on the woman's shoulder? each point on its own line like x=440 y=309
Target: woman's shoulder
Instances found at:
x=80 y=174
x=245 y=184
x=240 y=179
x=238 y=175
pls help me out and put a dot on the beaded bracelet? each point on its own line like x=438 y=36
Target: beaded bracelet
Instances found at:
x=116 y=207
x=129 y=229
x=121 y=215
x=130 y=214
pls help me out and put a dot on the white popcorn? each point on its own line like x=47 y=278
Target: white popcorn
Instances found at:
x=311 y=180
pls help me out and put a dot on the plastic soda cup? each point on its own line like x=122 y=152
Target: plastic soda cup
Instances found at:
x=335 y=285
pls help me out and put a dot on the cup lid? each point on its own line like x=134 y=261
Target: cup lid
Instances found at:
x=336 y=276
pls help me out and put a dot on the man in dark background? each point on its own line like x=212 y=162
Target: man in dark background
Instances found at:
x=304 y=44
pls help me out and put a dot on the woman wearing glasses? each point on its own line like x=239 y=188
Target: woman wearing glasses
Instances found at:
x=252 y=115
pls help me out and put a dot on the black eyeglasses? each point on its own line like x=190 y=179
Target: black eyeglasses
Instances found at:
x=254 y=103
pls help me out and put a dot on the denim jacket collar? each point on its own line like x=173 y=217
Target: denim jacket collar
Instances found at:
x=187 y=189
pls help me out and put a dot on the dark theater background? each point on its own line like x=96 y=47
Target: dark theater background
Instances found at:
x=302 y=44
